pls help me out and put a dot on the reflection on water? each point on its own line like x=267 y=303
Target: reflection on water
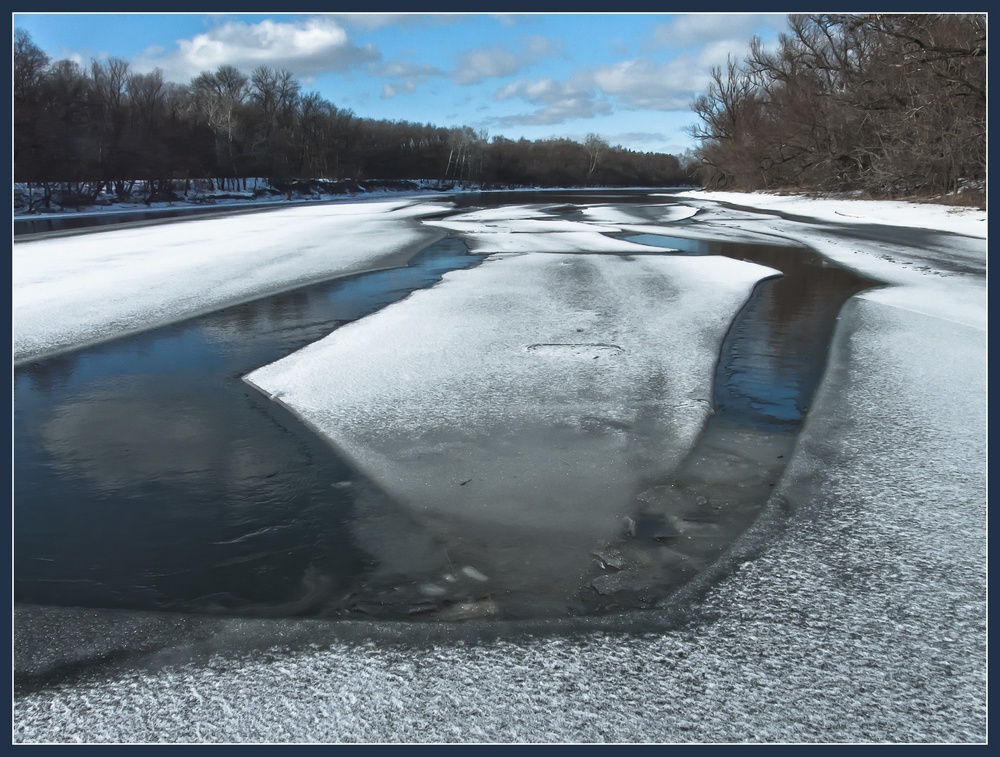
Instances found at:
x=147 y=474
x=774 y=354
x=769 y=368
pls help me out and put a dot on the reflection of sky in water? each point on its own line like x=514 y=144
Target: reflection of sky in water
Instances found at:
x=762 y=378
x=687 y=246
x=147 y=473
x=773 y=356
x=142 y=429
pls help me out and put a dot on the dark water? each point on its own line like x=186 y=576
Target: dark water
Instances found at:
x=774 y=354
x=148 y=475
x=769 y=368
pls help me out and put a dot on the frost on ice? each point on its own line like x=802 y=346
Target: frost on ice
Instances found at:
x=517 y=408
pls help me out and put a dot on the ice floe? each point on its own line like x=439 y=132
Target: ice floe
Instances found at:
x=524 y=400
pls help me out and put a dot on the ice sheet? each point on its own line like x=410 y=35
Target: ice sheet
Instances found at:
x=864 y=621
x=81 y=289
x=531 y=395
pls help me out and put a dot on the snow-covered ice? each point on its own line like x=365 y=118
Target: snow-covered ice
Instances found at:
x=624 y=214
x=533 y=230
x=522 y=403
x=957 y=219
x=84 y=289
x=862 y=618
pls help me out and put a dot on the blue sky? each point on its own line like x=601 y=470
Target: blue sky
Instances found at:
x=628 y=77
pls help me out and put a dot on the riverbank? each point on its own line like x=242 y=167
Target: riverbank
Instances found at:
x=862 y=619
x=41 y=199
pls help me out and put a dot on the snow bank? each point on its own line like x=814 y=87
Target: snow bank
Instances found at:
x=959 y=220
x=83 y=289
x=75 y=198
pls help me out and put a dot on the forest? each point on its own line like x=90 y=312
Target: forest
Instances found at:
x=889 y=105
x=108 y=126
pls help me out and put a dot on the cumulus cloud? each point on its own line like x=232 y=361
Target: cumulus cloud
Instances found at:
x=634 y=84
x=557 y=101
x=542 y=90
x=706 y=28
x=407 y=76
x=307 y=47
x=717 y=53
x=498 y=61
x=641 y=83
x=391 y=90
x=370 y=21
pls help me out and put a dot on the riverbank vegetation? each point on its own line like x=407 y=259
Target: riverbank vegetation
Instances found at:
x=888 y=105
x=114 y=126
x=879 y=105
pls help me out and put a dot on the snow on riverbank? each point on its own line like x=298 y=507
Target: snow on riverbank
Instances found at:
x=942 y=276
x=862 y=618
x=84 y=198
x=959 y=220
x=77 y=290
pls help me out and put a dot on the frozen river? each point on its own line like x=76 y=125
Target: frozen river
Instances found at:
x=567 y=428
x=487 y=459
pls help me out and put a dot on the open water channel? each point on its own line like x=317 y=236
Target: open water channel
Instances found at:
x=148 y=475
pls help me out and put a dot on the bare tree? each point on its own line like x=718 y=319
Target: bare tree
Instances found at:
x=219 y=97
x=886 y=103
x=596 y=147
x=29 y=67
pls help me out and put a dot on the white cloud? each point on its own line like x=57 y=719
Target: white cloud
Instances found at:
x=307 y=47
x=717 y=53
x=542 y=90
x=372 y=21
x=641 y=83
x=391 y=90
x=637 y=84
x=401 y=69
x=498 y=61
x=703 y=28
x=558 y=101
x=407 y=76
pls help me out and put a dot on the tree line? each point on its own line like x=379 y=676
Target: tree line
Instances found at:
x=886 y=104
x=109 y=124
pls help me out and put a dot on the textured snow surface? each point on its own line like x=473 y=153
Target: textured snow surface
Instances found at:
x=533 y=394
x=531 y=229
x=80 y=289
x=864 y=622
x=960 y=220
x=624 y=214
x=855 y=611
